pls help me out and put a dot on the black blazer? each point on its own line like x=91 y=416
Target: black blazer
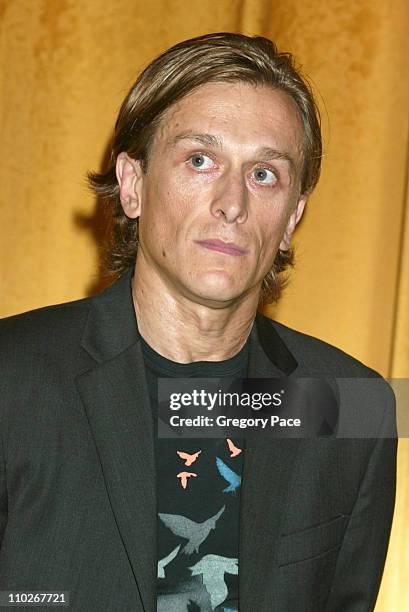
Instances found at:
x=77 y=472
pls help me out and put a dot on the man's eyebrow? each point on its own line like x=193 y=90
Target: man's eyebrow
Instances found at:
x=210 y=140
x=268 y=154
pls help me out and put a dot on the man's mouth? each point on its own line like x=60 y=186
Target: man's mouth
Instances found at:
x=229 y=248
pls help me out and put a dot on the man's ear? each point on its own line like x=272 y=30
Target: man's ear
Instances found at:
x=129 y=175
x=292 y=223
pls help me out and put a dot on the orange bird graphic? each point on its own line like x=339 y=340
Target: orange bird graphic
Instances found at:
x=189 y=458
x=184 y=476
x=234 y=450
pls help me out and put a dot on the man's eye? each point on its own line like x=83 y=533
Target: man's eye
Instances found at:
x=198 y=160
x=265 y=176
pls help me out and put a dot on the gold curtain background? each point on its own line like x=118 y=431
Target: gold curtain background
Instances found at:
x=65 y=66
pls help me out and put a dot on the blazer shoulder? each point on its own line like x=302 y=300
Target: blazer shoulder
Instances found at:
x=320 y=357
x=41 y=329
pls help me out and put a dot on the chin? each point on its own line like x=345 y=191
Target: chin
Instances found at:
x=216 y=293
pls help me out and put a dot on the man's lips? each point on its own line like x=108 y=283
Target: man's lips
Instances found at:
x=223 y=247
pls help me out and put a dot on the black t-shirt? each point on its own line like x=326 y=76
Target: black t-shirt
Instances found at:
x=198 y=492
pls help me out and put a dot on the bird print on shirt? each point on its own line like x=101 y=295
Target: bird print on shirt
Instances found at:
x=229 y=475
x=208 y=568
x=184 y=527
x=162 y=563
x=213 y=568
x=234 y=450
x=189 y=459
x=184 y=476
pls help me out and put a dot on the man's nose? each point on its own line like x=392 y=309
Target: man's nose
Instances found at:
x=230 y=198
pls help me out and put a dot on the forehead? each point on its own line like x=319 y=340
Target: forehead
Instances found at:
x=237 y=113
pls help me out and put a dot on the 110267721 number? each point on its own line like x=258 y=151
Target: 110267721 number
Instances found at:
x=33 y=598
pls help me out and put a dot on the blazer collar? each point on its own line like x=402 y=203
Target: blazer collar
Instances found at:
x=112 y=328
x=269 y=355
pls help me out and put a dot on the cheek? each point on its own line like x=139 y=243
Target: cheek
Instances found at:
x=165 y=212
x=270 y=236
x=272 y=225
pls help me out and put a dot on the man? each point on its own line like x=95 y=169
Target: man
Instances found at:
x=216 y=150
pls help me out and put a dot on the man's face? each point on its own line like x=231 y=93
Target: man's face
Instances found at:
x=224 y=167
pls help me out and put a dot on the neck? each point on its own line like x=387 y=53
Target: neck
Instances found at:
x=184 y=330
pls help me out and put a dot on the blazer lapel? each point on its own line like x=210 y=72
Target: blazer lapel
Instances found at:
x=117 y=407
x=116 y=402
x=267 y=469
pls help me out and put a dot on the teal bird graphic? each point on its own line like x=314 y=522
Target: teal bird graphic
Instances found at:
x=184 y=527
x=213 y=568
x=231 y=477
x=165 y=561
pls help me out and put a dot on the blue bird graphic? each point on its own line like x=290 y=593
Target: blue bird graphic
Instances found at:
x=231 y=477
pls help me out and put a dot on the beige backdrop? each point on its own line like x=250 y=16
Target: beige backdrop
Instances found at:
x=65 y=66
